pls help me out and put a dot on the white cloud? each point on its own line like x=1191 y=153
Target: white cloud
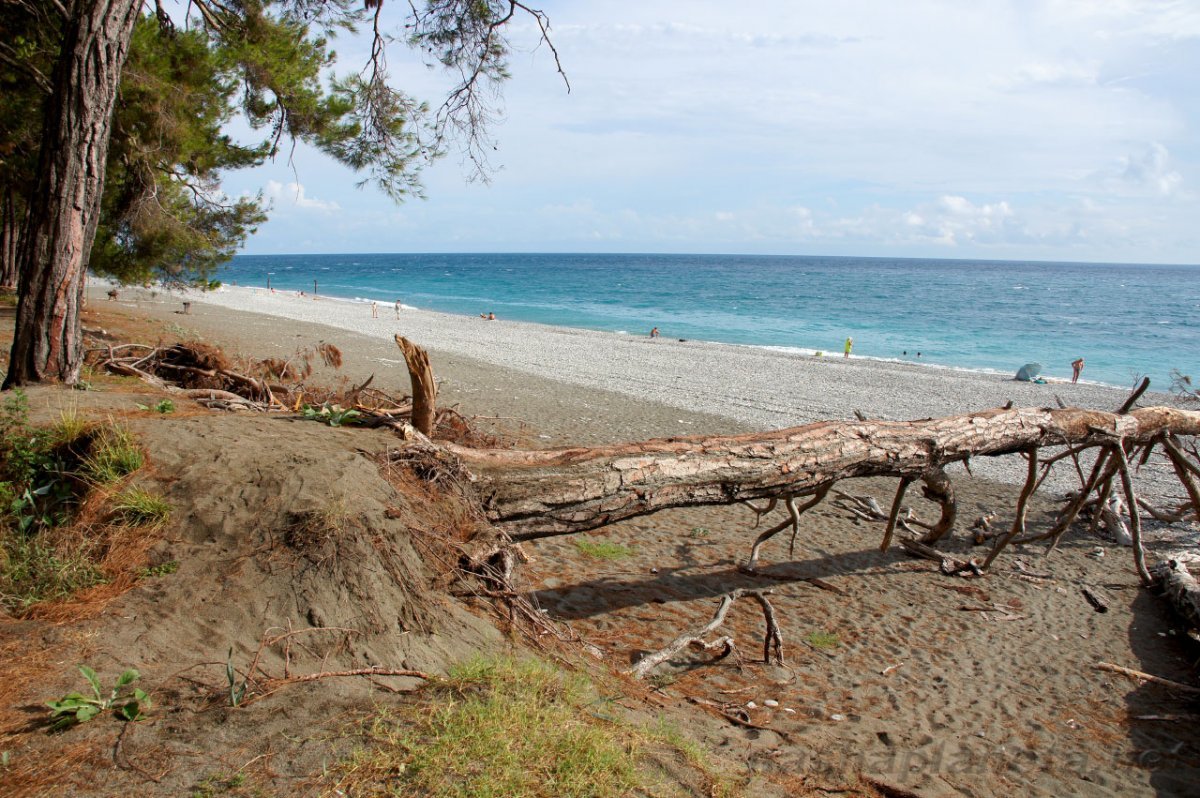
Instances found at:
x=293 y=194
x=1146 y=171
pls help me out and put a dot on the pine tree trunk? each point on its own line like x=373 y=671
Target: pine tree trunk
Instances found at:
x=10 y=235
x=65 y=203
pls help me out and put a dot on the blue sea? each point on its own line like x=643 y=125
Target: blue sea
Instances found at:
x=1125 y=320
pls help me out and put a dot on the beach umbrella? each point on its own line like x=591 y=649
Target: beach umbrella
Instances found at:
x=1028 y=372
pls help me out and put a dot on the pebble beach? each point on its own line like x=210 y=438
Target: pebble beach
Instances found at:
x=738 y=388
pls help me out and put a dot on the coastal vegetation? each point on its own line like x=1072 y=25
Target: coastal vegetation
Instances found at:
x=67 y=515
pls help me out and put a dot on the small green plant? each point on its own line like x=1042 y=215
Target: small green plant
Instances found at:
x=699 y=532
x=164 y=407
x=75 y=708
x=603 y=549
x=822 y=641
x=138 y=507
x=331 y=414
x=216 y=785
x=114 y=456
x=237 y=693
x=162 y=569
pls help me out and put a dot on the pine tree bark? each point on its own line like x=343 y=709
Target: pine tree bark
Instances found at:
x=542 y=493
x=65 y=203
x=10 y=236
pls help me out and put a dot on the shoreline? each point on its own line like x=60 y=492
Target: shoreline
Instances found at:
x=758 y=380
x=619 y=387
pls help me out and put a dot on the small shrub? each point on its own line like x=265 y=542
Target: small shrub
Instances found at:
x=138 y=507
x=75 y=708
x=502 y=728
x=603 y=549
x=164 y=407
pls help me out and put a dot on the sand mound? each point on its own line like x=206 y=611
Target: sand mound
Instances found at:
x=280 y=525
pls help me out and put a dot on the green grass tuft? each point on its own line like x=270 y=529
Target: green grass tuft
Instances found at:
x=138 y=507
x=822 y=640
x=517 y=729
x=602 y=549
x=114 y=456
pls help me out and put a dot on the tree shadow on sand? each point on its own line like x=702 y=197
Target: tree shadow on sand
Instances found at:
x=605 y=595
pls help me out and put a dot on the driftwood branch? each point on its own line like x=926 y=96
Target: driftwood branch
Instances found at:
x=772 y=642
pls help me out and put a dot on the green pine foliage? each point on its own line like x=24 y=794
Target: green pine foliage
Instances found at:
x=163 y=214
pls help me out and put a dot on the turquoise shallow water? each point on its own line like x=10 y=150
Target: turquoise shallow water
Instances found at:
x=1125 y=320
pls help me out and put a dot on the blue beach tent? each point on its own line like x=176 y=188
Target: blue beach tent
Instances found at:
x=1028 y=372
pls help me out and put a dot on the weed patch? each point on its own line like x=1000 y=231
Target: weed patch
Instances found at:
x=602 y=549
x=499 y=728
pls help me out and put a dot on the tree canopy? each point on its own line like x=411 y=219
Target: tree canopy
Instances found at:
x=152 y=206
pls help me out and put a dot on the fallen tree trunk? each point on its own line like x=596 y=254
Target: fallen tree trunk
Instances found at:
x=542 y=493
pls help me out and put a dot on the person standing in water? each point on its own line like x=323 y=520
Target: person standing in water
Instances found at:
x=1076 y=369
x=849 y=346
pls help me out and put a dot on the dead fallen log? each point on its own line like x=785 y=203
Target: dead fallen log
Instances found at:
x=542 y=493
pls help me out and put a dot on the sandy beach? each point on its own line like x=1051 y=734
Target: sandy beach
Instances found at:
x=944 y=686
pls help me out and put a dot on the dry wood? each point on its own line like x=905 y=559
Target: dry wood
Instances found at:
x=1093 y=598
x=773 y=643
x=541 y=493
x=1135 y=522
x=1018 y=526
x=938 y=488
x=424 y=387
x=905 y=481
x=1181 y=590
x=1186 y=471
x=1147 y=677
x=948 y=564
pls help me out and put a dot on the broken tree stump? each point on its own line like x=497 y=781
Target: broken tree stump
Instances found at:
x=424 y=387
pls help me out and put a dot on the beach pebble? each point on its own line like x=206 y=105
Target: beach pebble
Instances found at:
x=789 y=710
x=836 y=716
x=1097 y=552
x=770 y=702
x=751 y=705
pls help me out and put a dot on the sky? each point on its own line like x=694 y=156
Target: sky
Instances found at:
x=1060 y=130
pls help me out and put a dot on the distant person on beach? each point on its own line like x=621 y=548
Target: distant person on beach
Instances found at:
x=491 y=316
x=848 y=347
x=397 y=308
x=374 y=310
x=1076 y=369
x=654 y=333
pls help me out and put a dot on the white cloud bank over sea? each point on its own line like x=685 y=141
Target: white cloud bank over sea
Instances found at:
x=1029 y=129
